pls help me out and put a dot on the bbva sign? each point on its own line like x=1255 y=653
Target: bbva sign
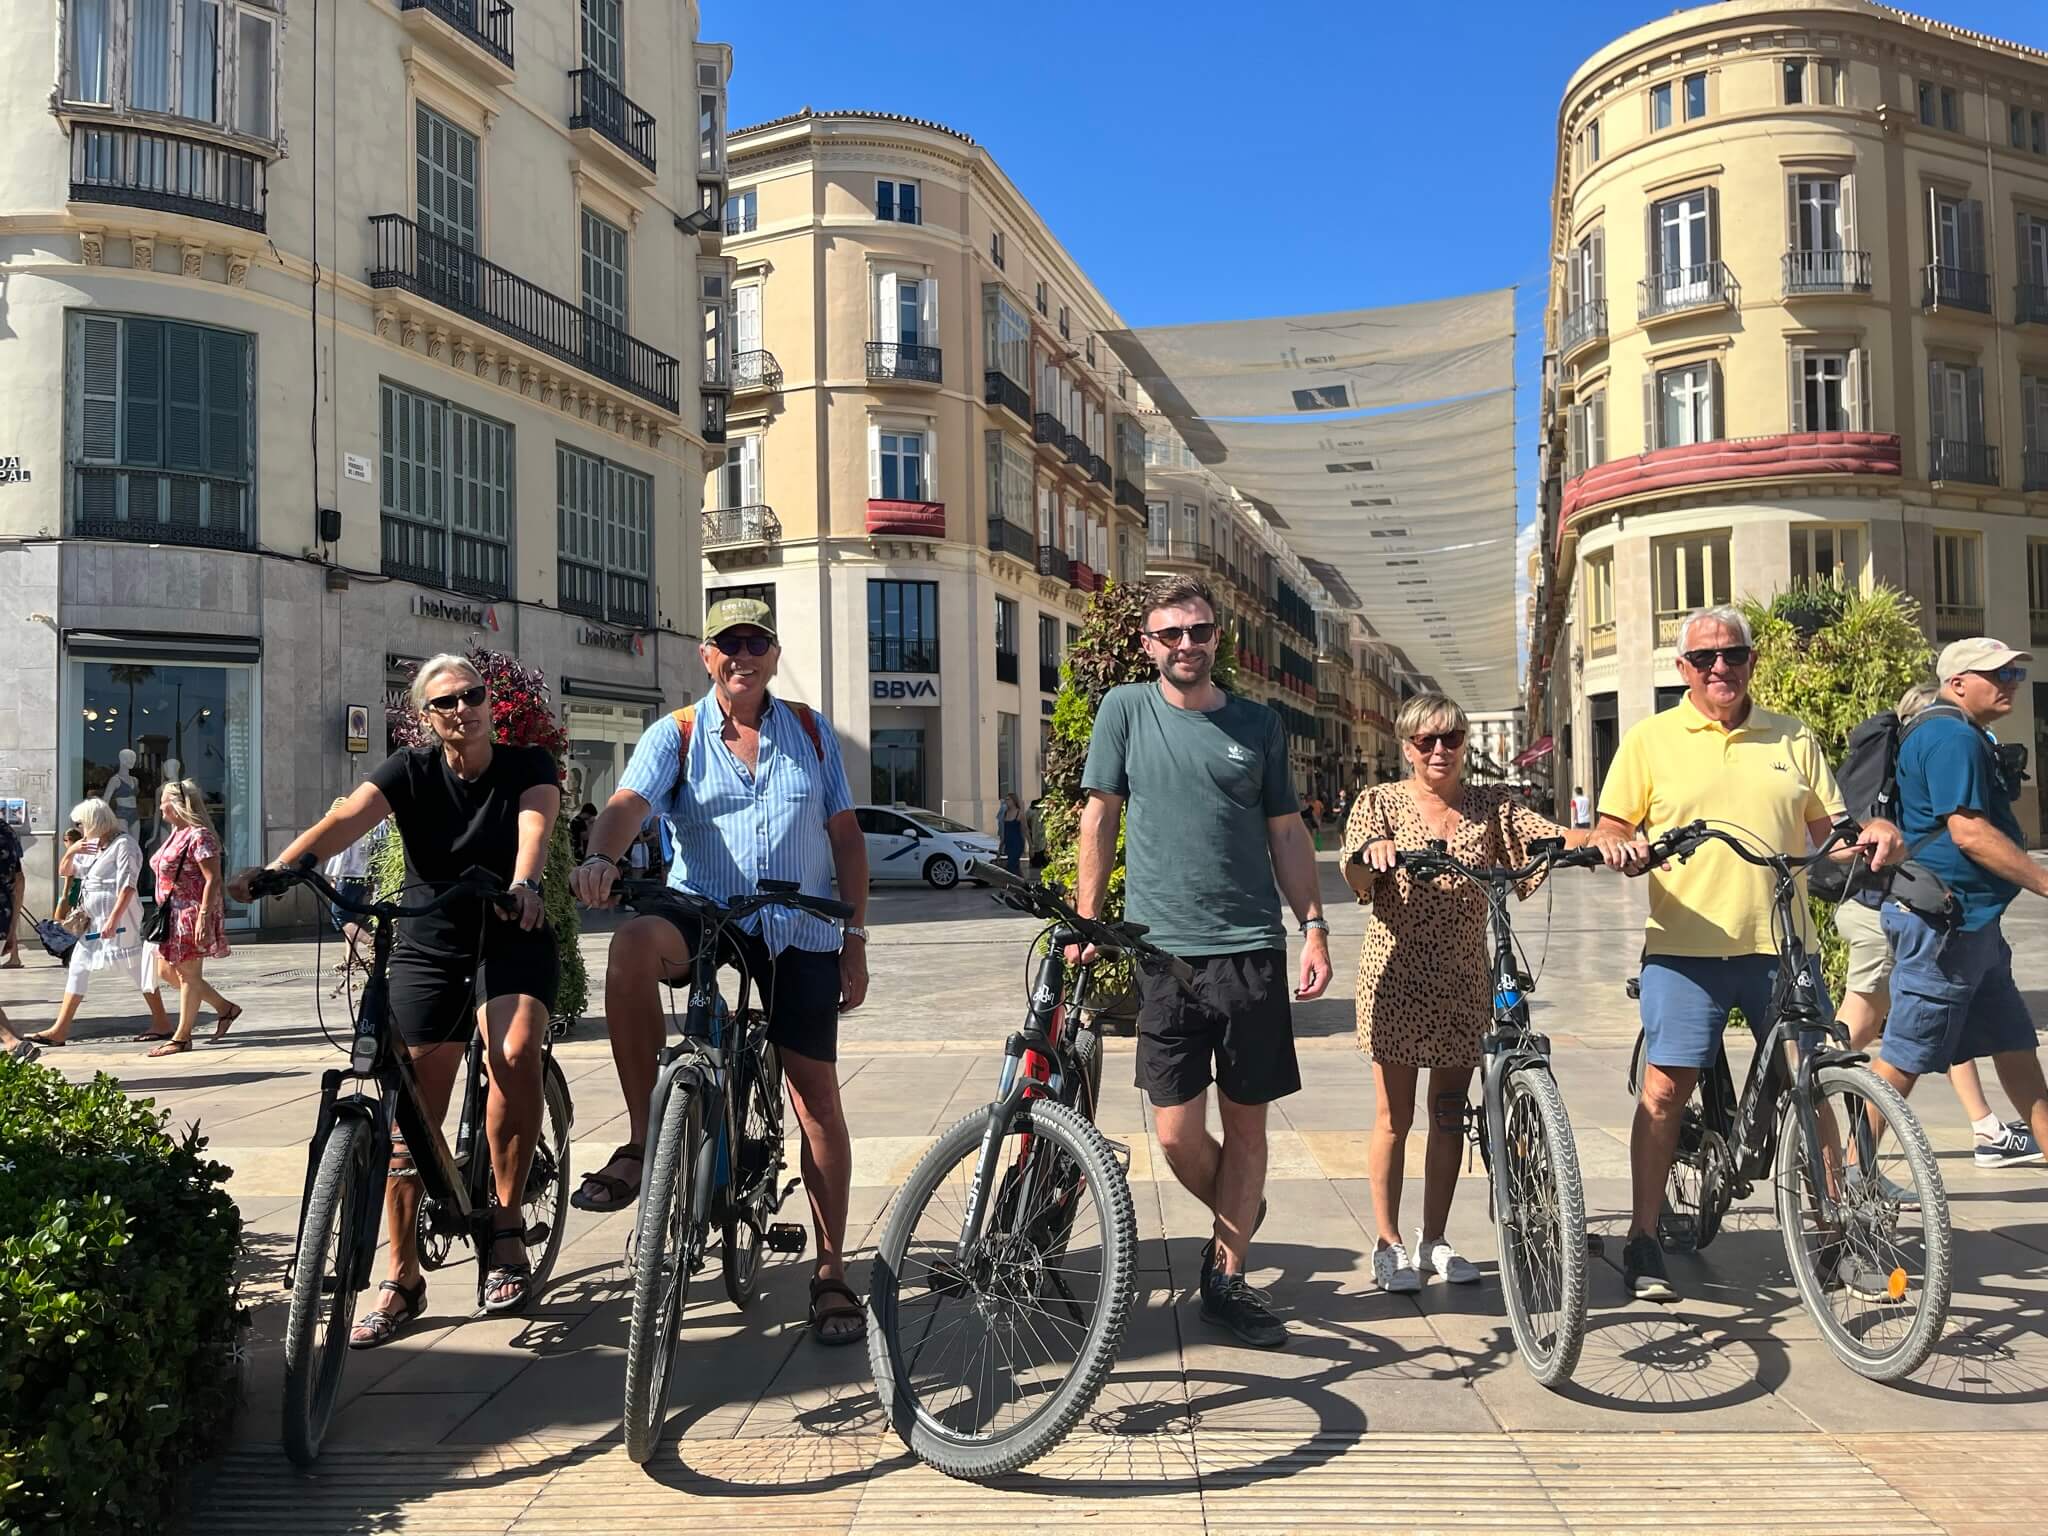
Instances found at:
x=905 y=690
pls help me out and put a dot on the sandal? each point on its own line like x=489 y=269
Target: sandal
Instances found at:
x=152 y=1036
x=222 y=1022
x=45 y=1041
x=173 y=1047
x=612 y=1192
x=377 y=1326
x=851 y=1307
x=518 y=1274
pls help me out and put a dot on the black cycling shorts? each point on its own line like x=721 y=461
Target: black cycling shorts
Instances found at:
x=1232 y=1026
x=435 y=998
x=798 y=989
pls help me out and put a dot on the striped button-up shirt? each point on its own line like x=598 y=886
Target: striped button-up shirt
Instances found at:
x=734 y=828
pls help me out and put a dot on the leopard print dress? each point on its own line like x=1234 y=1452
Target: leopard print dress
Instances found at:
x=1425 y=987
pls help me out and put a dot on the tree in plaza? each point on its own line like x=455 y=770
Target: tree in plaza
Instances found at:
x=524 y=717
x=1106 y=653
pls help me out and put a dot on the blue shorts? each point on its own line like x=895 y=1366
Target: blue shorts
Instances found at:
x=1686 y=998
x=1953 y=996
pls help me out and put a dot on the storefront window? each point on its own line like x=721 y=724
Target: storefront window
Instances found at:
x=601 y=738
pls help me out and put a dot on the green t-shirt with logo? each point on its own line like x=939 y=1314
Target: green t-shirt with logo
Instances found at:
x=1199 y=787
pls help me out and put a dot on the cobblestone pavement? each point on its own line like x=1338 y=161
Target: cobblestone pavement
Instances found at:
x=1724 y=1411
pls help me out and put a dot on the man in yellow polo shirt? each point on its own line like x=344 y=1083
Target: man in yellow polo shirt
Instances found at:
x=1708 y=947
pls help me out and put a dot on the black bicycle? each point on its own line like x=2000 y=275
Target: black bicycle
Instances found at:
x=716 y=1159
x=349 y=1159
x=1869 y=1250
x=1537 y=1198
x=1007 y=1271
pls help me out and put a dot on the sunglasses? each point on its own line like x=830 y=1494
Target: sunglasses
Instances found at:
x=448 y=703
x=2005 y=677
x=752 y=645
x=1169 y=634
x=1428 y=740
x=1702 y=660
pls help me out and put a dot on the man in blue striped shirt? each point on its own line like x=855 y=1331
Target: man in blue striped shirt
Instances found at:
x=756 y=792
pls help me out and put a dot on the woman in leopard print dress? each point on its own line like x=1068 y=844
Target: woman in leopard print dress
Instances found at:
x=1424 y=973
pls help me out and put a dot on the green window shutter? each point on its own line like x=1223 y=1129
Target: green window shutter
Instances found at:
x=97 y=341
x=227 y=403
x=142 y=368
x=184 y=405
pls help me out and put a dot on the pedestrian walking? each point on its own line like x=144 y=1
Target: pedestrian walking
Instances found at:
x=1010 y=830
x=1582 y=807
x=106 y=861
x=351 y=873
x=1198 y=779
x=187 y=869
x=13 y=884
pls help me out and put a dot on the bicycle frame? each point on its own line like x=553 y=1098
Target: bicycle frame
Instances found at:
x=1509 y=1043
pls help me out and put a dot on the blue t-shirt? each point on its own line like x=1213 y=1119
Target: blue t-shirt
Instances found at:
x=1947 y=765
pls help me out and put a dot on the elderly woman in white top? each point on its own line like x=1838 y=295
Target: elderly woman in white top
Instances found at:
x=107 y=862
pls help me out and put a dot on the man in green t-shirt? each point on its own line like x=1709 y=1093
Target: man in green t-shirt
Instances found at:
x=1211 y=823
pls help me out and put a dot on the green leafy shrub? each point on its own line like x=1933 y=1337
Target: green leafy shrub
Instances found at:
x=118 y=1322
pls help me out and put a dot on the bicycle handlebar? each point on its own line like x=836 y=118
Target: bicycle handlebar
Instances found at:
x=473 y=882
x=1437 y=860
x=1683 y=842
x=643 y=894
x=1041 y=900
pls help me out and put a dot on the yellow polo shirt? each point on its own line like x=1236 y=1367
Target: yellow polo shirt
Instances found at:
x=1767 y=777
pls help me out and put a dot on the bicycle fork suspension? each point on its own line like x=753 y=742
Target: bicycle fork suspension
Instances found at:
x=1010 y=1091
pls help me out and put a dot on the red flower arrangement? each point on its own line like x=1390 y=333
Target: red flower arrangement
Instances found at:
x=521 y=706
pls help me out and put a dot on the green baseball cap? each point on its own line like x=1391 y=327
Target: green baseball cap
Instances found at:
x=732 y=612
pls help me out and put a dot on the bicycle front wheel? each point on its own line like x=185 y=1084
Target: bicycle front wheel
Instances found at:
x=1875 y=1274
x=984 y=1363
x=1543 y=1226
x=661 y=1270
x=317 y=1327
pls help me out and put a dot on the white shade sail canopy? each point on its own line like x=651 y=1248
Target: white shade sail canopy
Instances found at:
x=1386 y=453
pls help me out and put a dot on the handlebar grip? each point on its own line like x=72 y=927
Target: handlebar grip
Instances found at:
x=825 y=906
x=1182 y=972
x=270 y=882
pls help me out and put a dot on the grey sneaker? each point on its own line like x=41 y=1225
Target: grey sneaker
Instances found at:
x=1392 y=1272
x=1643 y=1272
x=1230 y=1302
x=1440 y=1258
x=2010 y=1146
x=1861 y=1277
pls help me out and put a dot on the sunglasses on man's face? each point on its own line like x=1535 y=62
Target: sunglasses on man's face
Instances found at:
x=1426 y=743
x=733 y=645
x=1702 y=660
x=448 y=703
x=2005 y=677
x=1169 y=634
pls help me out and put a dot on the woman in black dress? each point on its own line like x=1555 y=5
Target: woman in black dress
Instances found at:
x=462 y=801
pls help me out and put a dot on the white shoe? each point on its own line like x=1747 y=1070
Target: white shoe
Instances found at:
x=1440 y=1258
x=1392 y=1272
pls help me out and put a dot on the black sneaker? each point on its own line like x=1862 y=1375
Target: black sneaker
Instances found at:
x=1229 y=1302
x=1209 y=1248
x=1642 y=1270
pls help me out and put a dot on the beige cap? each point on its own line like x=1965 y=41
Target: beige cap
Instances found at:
x=1979 y=654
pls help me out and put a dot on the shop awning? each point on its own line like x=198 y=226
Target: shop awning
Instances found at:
x=1536 y=753
x=160 y=645
x=617 y=693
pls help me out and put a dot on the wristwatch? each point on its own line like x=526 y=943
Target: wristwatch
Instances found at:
x=529 y=884
x=855 y=931
x=1314 y=922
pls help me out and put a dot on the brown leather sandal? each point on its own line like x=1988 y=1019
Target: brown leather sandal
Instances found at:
x=611 y=1193
x=849 y=1307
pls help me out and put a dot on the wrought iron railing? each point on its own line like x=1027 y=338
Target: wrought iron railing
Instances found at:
x=714 y=416
x=903 y=360
x=408 y=257
x=998 y=388
x=1006 y=538
x=1098 y=470
x=139 y=168
x=717 y=373
x=1583 y=324
x=1957 y=287
x=487 y=23
x=2034 y=469
x=1175 y=548
x=1074 y=448
x=2030 y=304
x=1053 y=561
x=607 y=596
x=1958 y=621
x=753 y=524
x=161 y=507
x=1129 y=495
x=1048 y=677
x=1955 y=458
x=1827 y=271
x=597 y=104
x=1708 y=285
x=742 y=223
x=755 y=370
x=1046 y=428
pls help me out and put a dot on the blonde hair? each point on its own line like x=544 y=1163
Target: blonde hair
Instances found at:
x=1427 y=711
x=1915 y=699
x=190 y=802
x=433 y=667
x=96 y=819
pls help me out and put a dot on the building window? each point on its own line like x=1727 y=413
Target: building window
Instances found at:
x=2016 y=127
x=710 y=124
x=739 y=477
x=1585 y=434
x=1958 y=585
x=160 y=431
x=899 y=460
x=743 y=212
x=605 y=538
x=1681 y=408
x=1006 y=754
x=604 y=39
x=2038 y=131
x=604 y=291
x=445 y=494
x=1066 y=327
x=1955 y=397
x=903 y=626
x=1585 y=281
x=1824 y=552
x=1924 y=95
x=996 y=252
x=1660 y=107
x=1685 y=241
x=1819 y=219
x=1827 y=83
x=1689 y=574
x=1830 y=390
x=2034 y=430
x=897 y=200
x=1951 y=111
x=1005 y=335
x=1039 y=297
x=445 y=180
x=1695 y=97
x=1009 y=481
x=1589 y=145
x=1794 y=75
x=1599 y=604
x=906 y=309
x=210 y=61
x=1048 y=654
x=1006 y=640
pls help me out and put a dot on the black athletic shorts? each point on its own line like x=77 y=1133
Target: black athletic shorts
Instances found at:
x=798 y=989
x=434 y=998
x=1236 y=1015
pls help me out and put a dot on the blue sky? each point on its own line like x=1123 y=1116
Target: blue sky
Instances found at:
x=1335 y=156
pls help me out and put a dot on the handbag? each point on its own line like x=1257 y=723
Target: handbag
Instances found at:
x=156 y=927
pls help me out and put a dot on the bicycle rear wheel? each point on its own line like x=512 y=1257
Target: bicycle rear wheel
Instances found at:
x=547 y=1181
x=317 y=1327
x=661 y=1270
x=984 y=1365
x=757 y=1169
x=1877 y=1281
x=1543 y=1235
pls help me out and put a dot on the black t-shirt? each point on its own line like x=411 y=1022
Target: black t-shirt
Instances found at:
x=449 y=825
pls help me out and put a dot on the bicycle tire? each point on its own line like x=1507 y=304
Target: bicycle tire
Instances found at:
x=977 y=1458
x=318 y=1324
x=661 y=1271
x=1551 y=1356
x=741 y=1253
x=547 y=1180
x=1903 y=1127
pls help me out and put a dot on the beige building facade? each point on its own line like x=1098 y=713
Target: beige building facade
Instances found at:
x=334 y=339
x=1798 y=329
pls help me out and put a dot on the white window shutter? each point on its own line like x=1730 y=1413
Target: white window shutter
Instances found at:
x=1973 y=402
x=1937 y=401
x=1650 y=443
x=1573 y=288
x=885 y=307
x=1848 y=213
x=1596 y=430
x=1795 y=372
x=750 y=470
x=747 y=318
x=1713 y=422
x=1792 y=213
x=874 y=461
x=928 y=310
x=1859 y=369
x=930 y=487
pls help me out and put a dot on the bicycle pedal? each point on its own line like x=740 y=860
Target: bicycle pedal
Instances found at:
x=786 y=1237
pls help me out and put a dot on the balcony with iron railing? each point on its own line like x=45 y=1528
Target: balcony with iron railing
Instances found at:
x=903 y=361
x=1174 y=550
x=1956 y=288
x=605 y=119
x=714 y=405
x=1086 y=577
x=437 y=557
x=1958 y=621
x=1582 y=325
x=1098 y=469
x=142 y=168
x=407 y=258
x=1075 y=450
x=161 y=507
x=1048 y=676
x=744 y=223
x=998 y=388
x=607 y=596
x=718 y=373
x=1046 y=430
x=1827 y=272
x=1600 y=639
x=476 y=35
x=1680 y=290
x=1053 y=562
x=1130 y=496
x=1954 y=458
x=732 y=527
x=1008 y=538
x=2034 y=469
x=755 y=370
x=2030 y=304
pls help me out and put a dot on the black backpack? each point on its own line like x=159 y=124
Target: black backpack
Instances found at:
x=1869 y=781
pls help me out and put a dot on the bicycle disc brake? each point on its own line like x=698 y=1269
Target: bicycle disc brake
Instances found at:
x=434 y=1231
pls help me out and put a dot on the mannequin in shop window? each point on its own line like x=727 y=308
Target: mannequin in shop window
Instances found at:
x=122 y=790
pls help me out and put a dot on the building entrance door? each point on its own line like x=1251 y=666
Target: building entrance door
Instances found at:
x=898 y=758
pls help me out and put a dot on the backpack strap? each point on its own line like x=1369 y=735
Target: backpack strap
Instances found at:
x=686 y=719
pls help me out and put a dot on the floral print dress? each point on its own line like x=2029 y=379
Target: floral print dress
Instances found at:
x=1425 y=982
x=192 y=845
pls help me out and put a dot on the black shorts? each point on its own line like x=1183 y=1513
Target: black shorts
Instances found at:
x=1236 y=1015
x=434 y=998
x=798 y=989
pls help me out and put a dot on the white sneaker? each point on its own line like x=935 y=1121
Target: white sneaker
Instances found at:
x=1391 y=1270
x=1440 y=1258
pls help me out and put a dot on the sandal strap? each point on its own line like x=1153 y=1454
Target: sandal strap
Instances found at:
x=821 y=1288
x=630 y=1149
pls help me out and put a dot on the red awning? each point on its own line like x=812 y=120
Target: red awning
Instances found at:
x=1528 y=755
